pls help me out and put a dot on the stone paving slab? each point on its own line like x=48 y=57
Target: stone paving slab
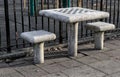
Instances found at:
x=9 y=72
x=111 y=46
x=53 y=68
x=83 y=71
x=107 y=66
x=114 y=75
x=114 y=53
x=31 y=71
x=101 y=56
x=56 y=75
x=71 y=64
x=87 y=60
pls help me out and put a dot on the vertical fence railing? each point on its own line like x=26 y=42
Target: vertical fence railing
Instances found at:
x=27 y=18
x=7 y=25
x=0 y=39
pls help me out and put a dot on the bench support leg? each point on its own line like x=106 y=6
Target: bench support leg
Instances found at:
x=72 y=39
x=99 y=40
x=38 y=53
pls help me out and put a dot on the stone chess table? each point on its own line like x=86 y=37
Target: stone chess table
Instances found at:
x=73 y=15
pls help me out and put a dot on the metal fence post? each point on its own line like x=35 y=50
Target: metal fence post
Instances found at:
x=32 y=8
x=101 y=5
x=6 y=10
x=0 y=38
x=66 y=3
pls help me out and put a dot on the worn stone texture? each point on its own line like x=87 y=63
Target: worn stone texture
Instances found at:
x=83 y=71
x=73 y=39
x=38 y=53
x=31 y=71
x=107 y=66
x=99 y=40
x=100 y=26
x=70 y=64
x=73 y=14
x=87 y=60
x=114 y=75
x=59 y=74
x=114 y=54
x=9 y=72
x=101 y=56
x=38 y=36
x=53 y=68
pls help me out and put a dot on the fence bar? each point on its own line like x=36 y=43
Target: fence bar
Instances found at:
x=48 y=7
x=16 y=33
x=101 y=5
x=35 y=8
x=110 y=10
x=7 y=25
x=92 y=2
x=32 y=7
x=66 y=3
x=29 y=15
x=97 y=4
x=60 y=27
x=0 y=39
x=118 y=14
x=22 y=19
x=114 y=12
x=106 y=6
x=42 y=7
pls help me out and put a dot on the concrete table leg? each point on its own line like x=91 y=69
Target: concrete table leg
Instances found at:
x=72 y=39
x=38 y=53
x=99 y=40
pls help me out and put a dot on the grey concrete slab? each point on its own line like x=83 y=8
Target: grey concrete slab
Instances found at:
x=114 y=54
x=110 y=46
x=83 y=71
x=31 y=71
x=114 y=75
x=87 y=60
x=12 y=75
x=70 y=64
x=9 y=72
x=101 y=56
x=55 y=75
x=107 y=66
x=114 y=42
x=89 y=49
x=62 y=59
x=79 y=55
x=53 y=68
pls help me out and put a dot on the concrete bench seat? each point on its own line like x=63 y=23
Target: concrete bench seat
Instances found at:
x=38 y=38
x=99 y=28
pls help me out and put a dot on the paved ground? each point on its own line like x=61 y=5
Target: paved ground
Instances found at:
x=89 y=63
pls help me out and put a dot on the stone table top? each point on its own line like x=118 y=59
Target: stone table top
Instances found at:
x=73 y=14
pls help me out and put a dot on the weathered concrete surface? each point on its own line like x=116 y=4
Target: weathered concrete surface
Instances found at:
x=99 y=28
x=89 y=63
x=74 y=14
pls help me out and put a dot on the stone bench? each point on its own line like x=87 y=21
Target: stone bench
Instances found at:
x=38 y=38
x=99 y=28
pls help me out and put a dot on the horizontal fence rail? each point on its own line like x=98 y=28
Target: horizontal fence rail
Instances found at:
x=17 y=16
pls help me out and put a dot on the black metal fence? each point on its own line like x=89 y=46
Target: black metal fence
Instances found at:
x=18 y=16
